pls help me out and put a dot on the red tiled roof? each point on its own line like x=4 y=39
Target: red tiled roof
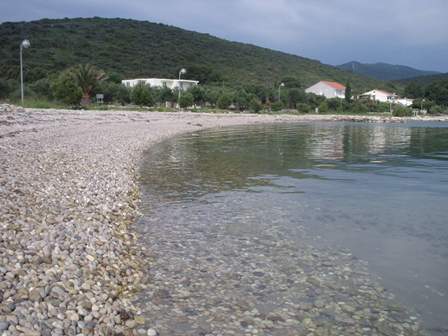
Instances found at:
x=335 y=85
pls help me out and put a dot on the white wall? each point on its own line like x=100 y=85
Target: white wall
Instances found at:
x=322 y=89
x=172 y=84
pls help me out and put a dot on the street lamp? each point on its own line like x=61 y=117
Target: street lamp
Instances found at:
x=280 y=90
x=182 y=71
x=25 y=44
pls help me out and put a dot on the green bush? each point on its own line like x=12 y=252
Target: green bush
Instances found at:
x=401 y=111
x=224 y=101
x=304 y=108
x=437 y=109
x=141 y=95
x=186 y=100
x=66 y=90
x=277 y=106
x=323 y=107
x=255 y=105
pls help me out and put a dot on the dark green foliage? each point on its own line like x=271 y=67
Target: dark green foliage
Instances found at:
x=186 y=100
x=348 y=92
x=242 y=100
x=66 y=90
x=323 y=107
x=384 y=71
x=141 y=95
x=203 y=74
x=166 y=95
x=42 y=88
x=88 y=78
x=198 y=95
x=437 y=110
x=304 y=108
x=255 y=105
x=5 y=88
x=277 y=106
x=438 y=92
x=224 y=101
x=133 y=49
x=401 y=111
x=295 y=96
x=414 y=90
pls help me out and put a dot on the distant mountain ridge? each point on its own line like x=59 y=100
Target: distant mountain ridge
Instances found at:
x=384 y=71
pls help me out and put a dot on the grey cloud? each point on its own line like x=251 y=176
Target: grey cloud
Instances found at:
x=412 y=32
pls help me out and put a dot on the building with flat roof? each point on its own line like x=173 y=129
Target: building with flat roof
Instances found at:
x=173 y=84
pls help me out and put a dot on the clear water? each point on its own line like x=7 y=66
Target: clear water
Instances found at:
x=378 y=191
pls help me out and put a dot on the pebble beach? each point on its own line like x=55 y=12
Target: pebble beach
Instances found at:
x=70 y=261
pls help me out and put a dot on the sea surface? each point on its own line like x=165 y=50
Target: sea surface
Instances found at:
x=376 y=191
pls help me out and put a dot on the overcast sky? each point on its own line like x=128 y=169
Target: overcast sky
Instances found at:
x=409 y=32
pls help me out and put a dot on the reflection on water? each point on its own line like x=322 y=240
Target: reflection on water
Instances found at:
x=379 y=190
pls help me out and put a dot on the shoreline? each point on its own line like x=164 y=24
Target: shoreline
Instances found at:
x=68 y=182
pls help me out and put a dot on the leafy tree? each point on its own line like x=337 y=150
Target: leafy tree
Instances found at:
x=348 y=93
x=166 y=95
x=141 y=95
x=255 y=105
x=277 y=106
x=438 y=92
x=291 y=82
x=295 y=96
x=401 y=111
x=203 y=74
x=242 y=100
x=123 y=95
x=42 y=88
x=87 y=77
x=211 y=96
x=198 y=95
x=414 y=90
x=186 y=100
x=66 y=89
x=224 y=101
x=5 y=88
x=323 y=107
x=304 y=108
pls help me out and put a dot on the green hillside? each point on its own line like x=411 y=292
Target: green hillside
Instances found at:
x=132 y=48
x=423 y=80
x=384 y=71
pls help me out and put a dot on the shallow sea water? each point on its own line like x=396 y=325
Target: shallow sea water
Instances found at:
x=322 y=228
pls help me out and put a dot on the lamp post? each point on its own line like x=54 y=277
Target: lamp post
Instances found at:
x=280 y=90
x=182 y=71
x=24 y=44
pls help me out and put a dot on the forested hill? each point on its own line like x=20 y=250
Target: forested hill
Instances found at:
x=142 y=49
x=384 y=71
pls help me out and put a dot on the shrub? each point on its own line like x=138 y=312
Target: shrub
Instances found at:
x=186 y=100
x=141 y=95
x=255 y=105
x=277 y=106
x=66 y=90
x=304 y=108
x=224 y=101
x=323 y=107
x=437 y=109
x=401 y=111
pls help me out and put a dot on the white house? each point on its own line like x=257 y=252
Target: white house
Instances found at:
x=327 y=89
x=405 y=101
x=386 y=97
x=173 y=84
x=380 y=96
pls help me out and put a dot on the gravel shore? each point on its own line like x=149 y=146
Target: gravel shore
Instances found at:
x=69 y=264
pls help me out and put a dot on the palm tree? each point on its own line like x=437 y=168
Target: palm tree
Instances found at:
x=87 y=77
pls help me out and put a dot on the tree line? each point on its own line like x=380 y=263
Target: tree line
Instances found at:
x=78 y=85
